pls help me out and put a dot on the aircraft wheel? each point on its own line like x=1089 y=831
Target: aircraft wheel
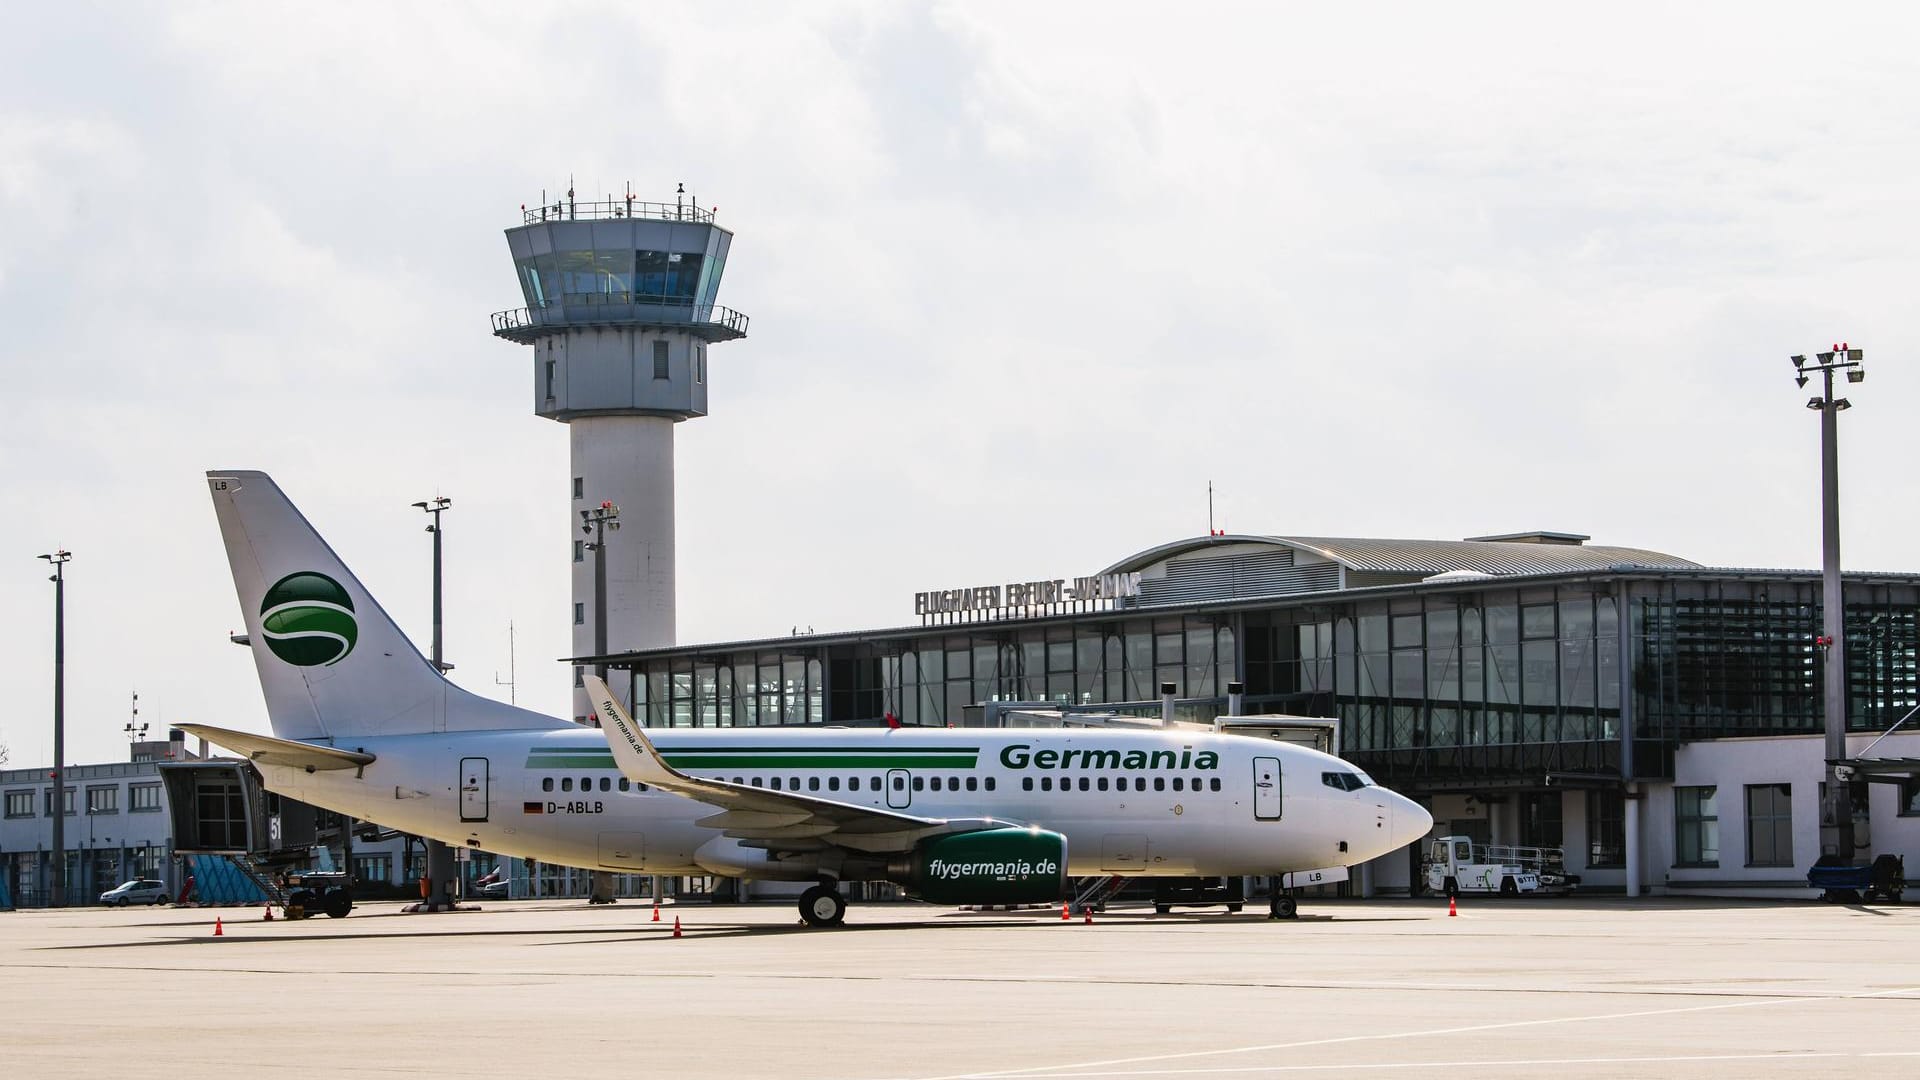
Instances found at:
x=1162 y=909
x=336 y=904
x=1233 y=909
x=1283 y=907
x=1508 y=888
x=823 y=905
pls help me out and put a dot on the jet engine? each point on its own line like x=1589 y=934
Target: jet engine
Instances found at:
x=990 y=866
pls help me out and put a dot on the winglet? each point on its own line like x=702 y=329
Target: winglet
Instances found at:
x=632 y=750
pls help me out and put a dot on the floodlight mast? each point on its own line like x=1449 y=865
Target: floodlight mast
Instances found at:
x=1836 y=831
x=57 y=872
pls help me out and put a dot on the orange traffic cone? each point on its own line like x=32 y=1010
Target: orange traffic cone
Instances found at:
x=1089 y=915
x=217 y=932
x=269 y=915
x=676 y=926
x=656 y=911
x=1065 y=916
x=1452 y=908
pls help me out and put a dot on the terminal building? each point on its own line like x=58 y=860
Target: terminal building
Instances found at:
x=1636 y=708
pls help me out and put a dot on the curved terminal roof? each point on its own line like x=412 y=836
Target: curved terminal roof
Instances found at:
x=1223 y=567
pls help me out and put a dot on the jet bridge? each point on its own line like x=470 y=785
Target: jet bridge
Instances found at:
x=239 y=838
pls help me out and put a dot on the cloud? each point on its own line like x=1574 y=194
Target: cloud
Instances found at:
x=1022 y=282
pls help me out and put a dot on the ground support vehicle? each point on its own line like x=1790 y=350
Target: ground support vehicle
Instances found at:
x=310 y=892
x=1885 y=877
x=1228 y=892
x=1455 y=865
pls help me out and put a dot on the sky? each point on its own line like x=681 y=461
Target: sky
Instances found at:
x=1023 y=279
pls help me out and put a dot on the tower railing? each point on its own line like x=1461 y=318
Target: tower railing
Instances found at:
x=611 y=307
x=608 y=209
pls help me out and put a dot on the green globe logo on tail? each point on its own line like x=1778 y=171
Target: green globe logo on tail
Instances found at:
x=307 y=619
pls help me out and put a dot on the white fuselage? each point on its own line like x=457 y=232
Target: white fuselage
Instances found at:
x=1153 y=803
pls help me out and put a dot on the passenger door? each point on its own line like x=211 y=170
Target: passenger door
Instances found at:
x=1266 y=788
x=473 y=789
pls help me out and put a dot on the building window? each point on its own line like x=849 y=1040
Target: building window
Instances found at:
x=550 y=370
x=1696 y=827
x=372 y=869
x=19 y=804
x=1769 y=825
x=579 y=674
x=659 y=359
x=579 y=487
x=145 y=798
x=579 y=614
x=1606 y=829
x=1909 y=797
x=579 y=551
x=47 y=801
x=700 y=363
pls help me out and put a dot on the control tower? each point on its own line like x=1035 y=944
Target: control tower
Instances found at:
x=620 y=311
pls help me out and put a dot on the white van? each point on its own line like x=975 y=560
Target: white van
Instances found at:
x=138 y=891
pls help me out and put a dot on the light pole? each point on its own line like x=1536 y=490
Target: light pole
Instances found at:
x=57 y=879
x=440 y=865
x=1837 y=838
x=596 y=523
x=436 y=507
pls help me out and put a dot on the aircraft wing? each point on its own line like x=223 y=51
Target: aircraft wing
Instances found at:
x=776 y=820
x=271 y=751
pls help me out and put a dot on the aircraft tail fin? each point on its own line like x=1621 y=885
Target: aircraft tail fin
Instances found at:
x=332 y=663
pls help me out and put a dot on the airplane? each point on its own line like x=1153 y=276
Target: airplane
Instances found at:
x=364 y=725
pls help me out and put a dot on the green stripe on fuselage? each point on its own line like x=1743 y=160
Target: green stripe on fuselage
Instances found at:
x=822 y=761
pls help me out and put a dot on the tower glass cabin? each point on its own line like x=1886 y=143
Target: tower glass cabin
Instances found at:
x=620 y=312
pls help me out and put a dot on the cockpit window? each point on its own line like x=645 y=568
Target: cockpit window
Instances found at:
x=1345 y=781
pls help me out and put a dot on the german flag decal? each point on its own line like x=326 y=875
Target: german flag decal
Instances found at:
x=532 y=808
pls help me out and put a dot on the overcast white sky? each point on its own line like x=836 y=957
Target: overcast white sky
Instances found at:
x=1023 y=279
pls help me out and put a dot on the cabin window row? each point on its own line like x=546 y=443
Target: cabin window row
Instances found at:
x=1100 y=783
x=874 y=783
x=792 y=783
x=607 y=783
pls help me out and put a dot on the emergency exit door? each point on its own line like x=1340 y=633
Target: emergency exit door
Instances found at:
x=1266 y=788
x=473 y=789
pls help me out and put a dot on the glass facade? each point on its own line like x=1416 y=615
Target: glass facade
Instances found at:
x=618 y=276
x=1481 y=683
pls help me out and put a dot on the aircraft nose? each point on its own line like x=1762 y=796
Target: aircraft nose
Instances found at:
x=1409 y=822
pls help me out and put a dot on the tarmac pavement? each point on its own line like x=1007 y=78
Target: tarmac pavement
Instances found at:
x=1508 y=988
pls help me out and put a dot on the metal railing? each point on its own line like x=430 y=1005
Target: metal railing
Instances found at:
x=615 y=307
x=612 y=209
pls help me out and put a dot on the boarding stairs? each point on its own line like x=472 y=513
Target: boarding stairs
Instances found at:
x=251 y=869
x=1092 y=893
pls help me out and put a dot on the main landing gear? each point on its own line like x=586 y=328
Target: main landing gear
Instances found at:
x=823 y=905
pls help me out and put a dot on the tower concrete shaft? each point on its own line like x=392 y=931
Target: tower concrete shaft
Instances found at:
x=620 y=312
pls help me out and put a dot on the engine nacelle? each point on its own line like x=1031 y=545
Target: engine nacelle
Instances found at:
x=991 y=866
